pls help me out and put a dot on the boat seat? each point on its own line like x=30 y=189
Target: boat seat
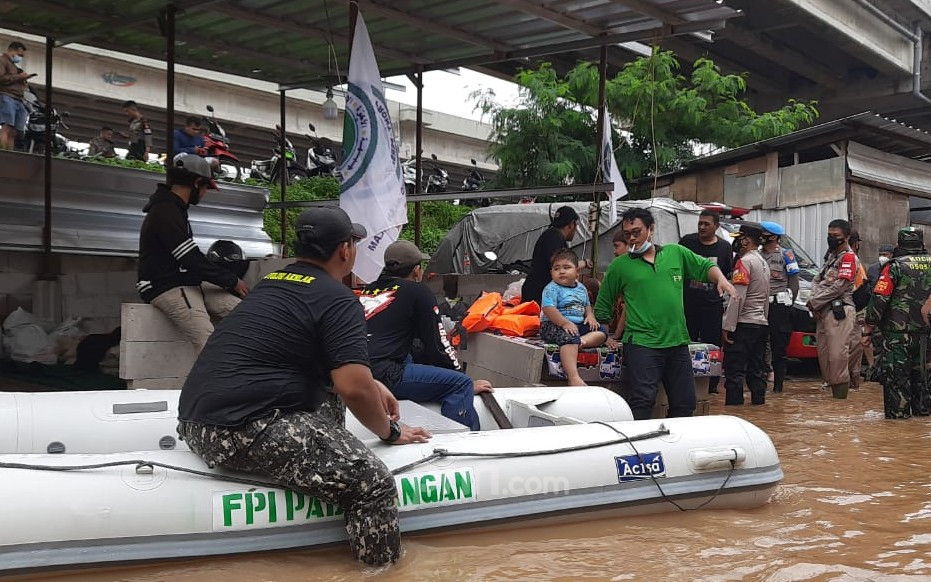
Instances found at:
x=412 y=414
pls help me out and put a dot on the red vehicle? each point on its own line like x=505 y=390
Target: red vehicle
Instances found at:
x=802 y=344
x=218 y=146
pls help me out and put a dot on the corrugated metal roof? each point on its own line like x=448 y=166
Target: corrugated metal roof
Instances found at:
x=103 y=216
x=288 y=41
x=867 y=128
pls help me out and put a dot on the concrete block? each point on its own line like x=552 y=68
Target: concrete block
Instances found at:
x=478 y=372
x=155 y=359
x=261 y=267
x=144 y=323
x=506 y=356
x=155 y=383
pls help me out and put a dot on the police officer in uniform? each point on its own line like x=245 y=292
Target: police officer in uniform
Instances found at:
x=896 y=309
x=745 y=320
x=140 y=133
x=268 y=393
x=831 y=304
x=783 y=289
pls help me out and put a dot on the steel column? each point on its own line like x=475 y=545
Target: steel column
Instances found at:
x=170 y=12
x=283 y=173
x=49 y=137
x=599 y=158
x=418 y=163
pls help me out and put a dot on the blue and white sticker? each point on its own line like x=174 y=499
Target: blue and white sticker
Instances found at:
x=642 y=466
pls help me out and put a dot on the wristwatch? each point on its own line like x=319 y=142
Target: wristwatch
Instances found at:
x=395 y=433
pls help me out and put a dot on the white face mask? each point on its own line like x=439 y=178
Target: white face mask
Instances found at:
x=883 y=260
x=642 y=249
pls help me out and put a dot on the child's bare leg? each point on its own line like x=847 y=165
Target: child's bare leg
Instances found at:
x=569 y=356
x=593 y=339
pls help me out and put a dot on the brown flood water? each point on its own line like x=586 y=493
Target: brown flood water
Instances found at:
x=854 y=506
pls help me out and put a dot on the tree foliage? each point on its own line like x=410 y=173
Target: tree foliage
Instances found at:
x=659 y=116
x=437 y=217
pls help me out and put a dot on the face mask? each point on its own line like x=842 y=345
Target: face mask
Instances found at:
x=17 y=59
x=883 y=260
x=833 y=243
x=736 y=246
x=640 y=250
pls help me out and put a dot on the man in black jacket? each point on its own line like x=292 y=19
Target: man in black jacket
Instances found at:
x=398 y=310
x=172 y=270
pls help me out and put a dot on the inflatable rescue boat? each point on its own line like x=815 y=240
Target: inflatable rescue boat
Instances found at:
x=99 y=477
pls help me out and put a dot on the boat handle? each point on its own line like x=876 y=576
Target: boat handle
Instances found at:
x=717 y=458
x=140 y=407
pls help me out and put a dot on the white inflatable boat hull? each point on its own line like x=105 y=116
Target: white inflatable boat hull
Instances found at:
x=129 y=513
x=112 y=421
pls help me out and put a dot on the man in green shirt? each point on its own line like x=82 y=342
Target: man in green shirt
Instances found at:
x=650 y=278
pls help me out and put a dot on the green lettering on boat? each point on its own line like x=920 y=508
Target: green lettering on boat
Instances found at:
x=230 y=502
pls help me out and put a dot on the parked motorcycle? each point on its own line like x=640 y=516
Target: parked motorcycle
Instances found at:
x=518 y=267
x=475 y=180
x=320 y=158
x=270 y=170
x=409 y=170
x=439 y=179
x=33 y=139
x=218 y=146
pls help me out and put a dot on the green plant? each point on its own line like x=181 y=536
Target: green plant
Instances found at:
x=660 y=116
x=316 y=188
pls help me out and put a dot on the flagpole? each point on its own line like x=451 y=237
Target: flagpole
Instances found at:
x=599 y=168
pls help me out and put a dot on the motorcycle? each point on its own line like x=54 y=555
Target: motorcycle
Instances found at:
x=218 y=146
x=409 y=170
x=33 y=139
x=439 y=179
x=320 y=158
x=474 y=182
x=270 y=170
x=518 y=267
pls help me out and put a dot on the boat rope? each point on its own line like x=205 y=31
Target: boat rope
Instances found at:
x=441 y=453
x=659 y=487
x=437 y=453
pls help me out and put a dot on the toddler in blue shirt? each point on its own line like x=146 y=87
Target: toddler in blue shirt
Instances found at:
x=567 y=319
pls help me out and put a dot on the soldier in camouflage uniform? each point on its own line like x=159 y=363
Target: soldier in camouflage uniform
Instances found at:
x=896 y=309
x=266 y=393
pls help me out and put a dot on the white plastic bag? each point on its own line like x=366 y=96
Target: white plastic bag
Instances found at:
x=513 y=292
x=25 y=340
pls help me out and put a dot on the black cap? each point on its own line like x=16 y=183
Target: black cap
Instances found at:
x=327 y=225
x=563 y=216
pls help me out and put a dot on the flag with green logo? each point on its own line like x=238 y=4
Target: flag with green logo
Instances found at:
x=372 y=189
x=610 y=171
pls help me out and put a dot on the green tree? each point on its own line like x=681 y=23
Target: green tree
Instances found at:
x=659 y=117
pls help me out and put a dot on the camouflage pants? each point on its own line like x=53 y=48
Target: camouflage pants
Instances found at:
x=903 y=379
x=313 y=453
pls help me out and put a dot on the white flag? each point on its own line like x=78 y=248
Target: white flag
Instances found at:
x=610 y=171
x=372 y=189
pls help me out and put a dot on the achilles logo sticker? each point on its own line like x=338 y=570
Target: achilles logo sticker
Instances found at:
x=643 y=466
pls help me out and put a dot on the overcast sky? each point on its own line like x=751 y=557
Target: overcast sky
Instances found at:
x=449 y=93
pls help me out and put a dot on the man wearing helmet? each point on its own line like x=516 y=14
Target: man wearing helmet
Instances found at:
x=897 y=309
x=783 y=289
x=171 y=267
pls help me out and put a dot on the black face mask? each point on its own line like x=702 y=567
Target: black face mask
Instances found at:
x=737 y=246
x=194 y=198
x=833 y=243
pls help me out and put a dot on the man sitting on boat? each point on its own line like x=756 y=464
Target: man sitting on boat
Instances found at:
x=268 y=393
x=174 y=275
x=399 y=310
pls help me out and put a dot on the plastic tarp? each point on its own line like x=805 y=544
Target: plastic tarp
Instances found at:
x=511 y=231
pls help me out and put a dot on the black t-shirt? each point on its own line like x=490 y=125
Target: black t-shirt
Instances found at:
x=276 y=349
x=549 y=242
x=397 y=312
x=698 y=294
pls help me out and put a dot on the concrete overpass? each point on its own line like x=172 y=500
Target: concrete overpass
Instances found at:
x=91 y=85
